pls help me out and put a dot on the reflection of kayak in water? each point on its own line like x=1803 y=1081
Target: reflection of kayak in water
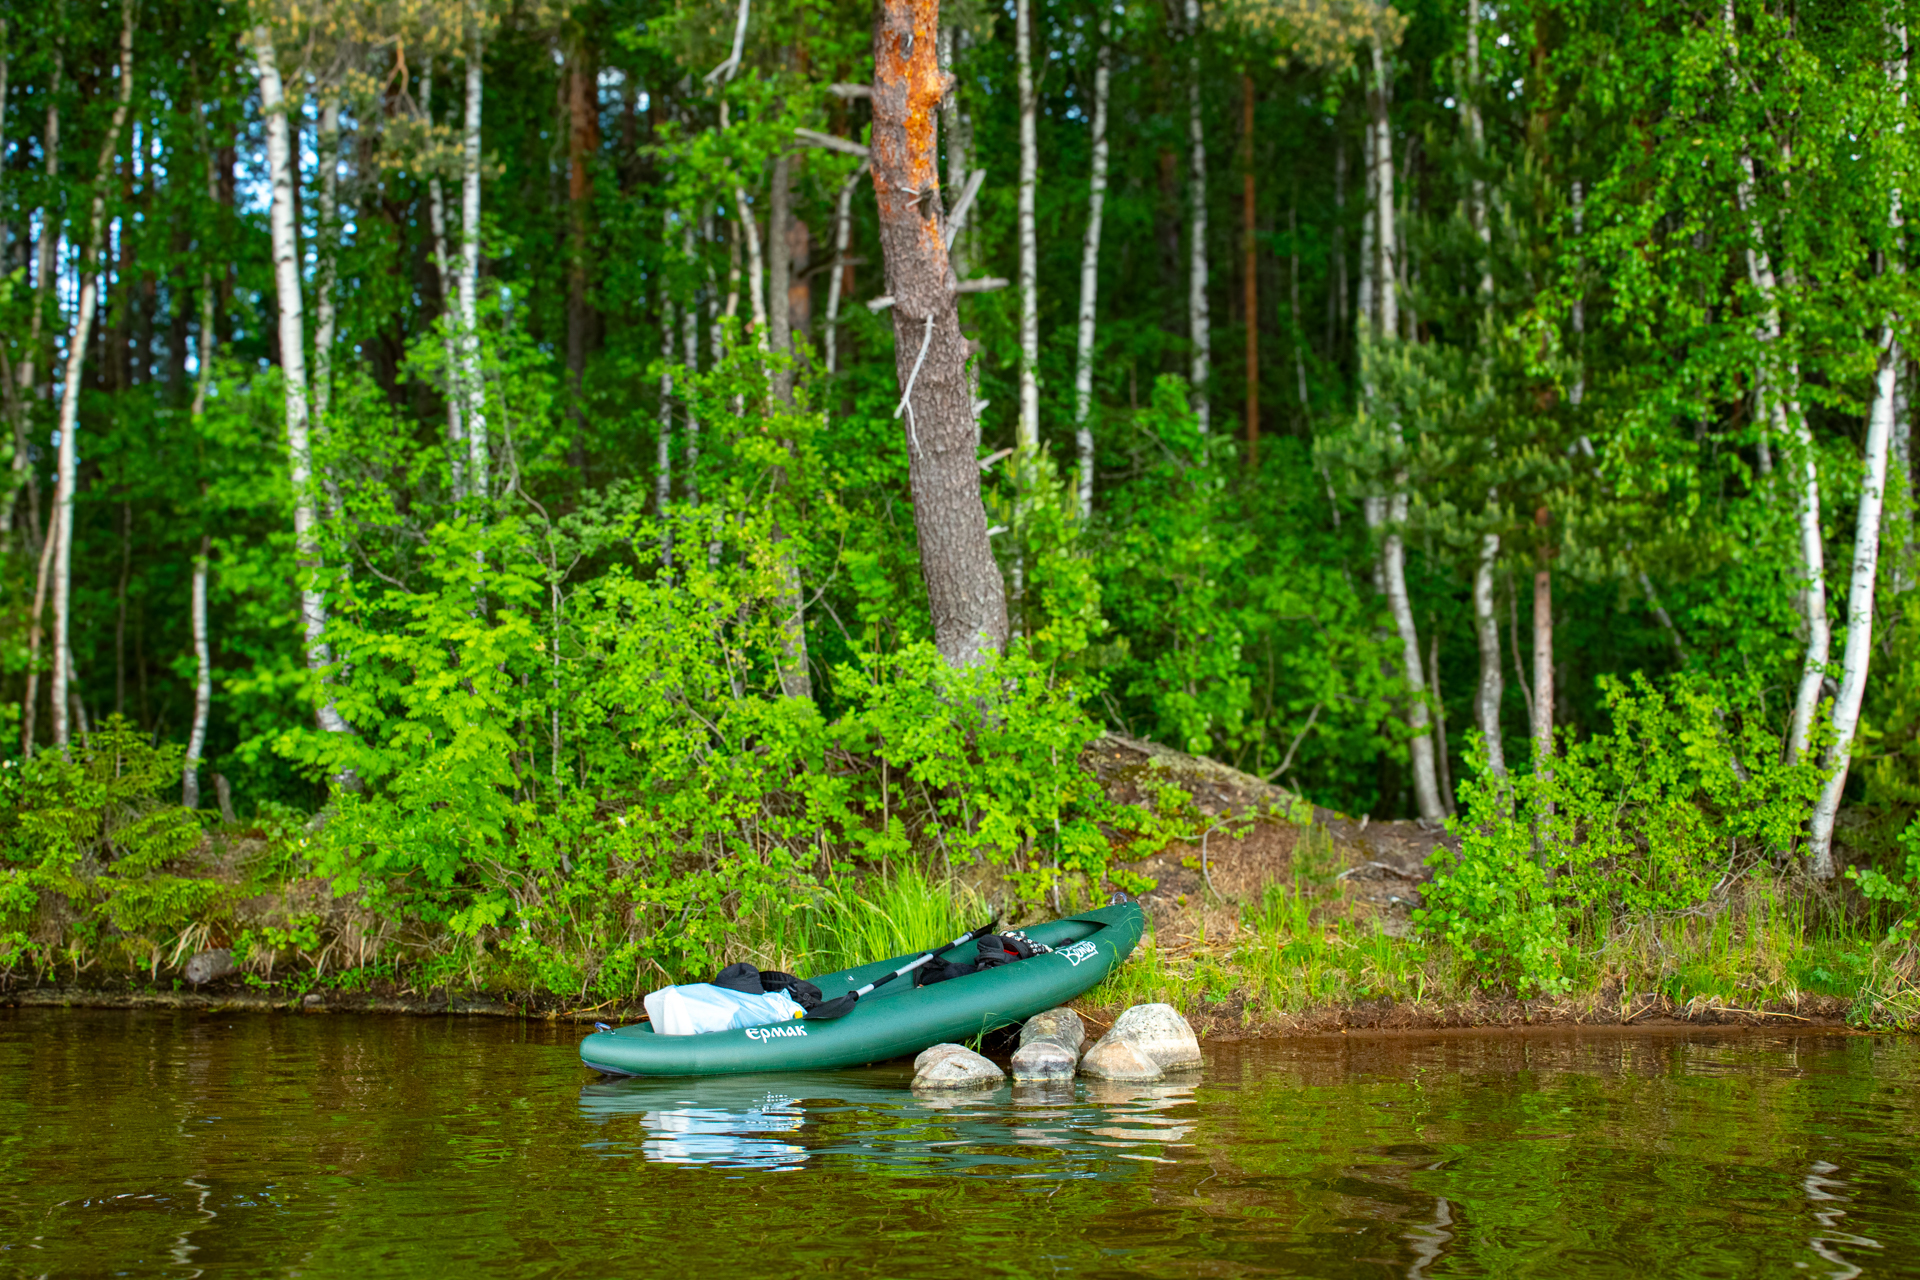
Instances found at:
x=1096 y=1128
x=896 y=1019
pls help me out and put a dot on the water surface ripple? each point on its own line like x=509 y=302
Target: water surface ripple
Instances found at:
x=321 y=1145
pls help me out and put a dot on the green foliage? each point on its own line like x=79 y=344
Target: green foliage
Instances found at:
x=1684 y=794
x=84 y=834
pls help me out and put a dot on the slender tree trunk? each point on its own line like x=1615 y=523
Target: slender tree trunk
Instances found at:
x=1368 y=309
x=326 y=258
x=1542 y=649
x=836 y=283
x=1293 y=306
x=690 y=358
x=293 y=364
x=202 y=680
x=965 y=593
x=90 y=281
x=1251 y=270
x=1338 y=284
x=959 y=132
x=449 y=310
x=1442 y=764
x=120 y=610
x=795 y=679
x=1389 y=514
x=1486 y=630
x=1199 y=328
x=1028 y=435
x=663 y=450
x=583 y=142
x=473 y=382
x=1858 y=654
x=1776 y=392
x=47 y=249
x=30 y=702
x=1090 y=274
x=1477 y=145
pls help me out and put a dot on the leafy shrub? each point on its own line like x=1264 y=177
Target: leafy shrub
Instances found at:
x=1659 y=814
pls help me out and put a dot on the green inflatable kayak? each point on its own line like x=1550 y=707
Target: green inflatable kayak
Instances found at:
x=895 y=1020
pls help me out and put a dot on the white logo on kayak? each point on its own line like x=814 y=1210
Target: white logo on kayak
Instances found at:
x=768 y=1033
x=1078 y=951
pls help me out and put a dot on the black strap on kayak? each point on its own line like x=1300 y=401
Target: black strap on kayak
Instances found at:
x=841 y=1006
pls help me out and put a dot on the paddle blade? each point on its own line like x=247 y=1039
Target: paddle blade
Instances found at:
x=838 y=1007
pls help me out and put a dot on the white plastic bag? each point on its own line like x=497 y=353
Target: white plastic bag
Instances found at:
x=700 y=1007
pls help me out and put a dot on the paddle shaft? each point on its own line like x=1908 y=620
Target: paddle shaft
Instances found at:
x=910 y=966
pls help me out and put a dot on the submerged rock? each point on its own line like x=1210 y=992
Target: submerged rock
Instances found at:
x=954 y=1066
x=1117 y=1058
x=206 y=966
x=1158 y=1031
x=1044 y=1060
x=1061 y=1026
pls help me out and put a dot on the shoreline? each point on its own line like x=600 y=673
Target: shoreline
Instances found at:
x=1826 y=1015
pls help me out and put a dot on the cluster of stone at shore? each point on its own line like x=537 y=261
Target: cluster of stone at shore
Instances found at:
x=1145 y=1043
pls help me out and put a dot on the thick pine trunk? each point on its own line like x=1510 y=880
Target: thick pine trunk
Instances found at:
x=1028 y=434
x=583 y=142
x=293 y=367
x=965 y=592
x=1090 y=276
x=1542 y=648
x=90 y=280
x=1199 y=327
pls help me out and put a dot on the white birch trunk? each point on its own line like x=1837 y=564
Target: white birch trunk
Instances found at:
x=663 y=449
x=68 y=462
x=473 y=384
x=1393 y=565
x=1477 y=142
x=1369 y=316
x=842 y=238
x=1027 y=435
x=1779 y=406
x=1486 y=631
x=1385 y=242
x=202 y=681
x=1858 y=653
x=690 y=358
x=437 y=218
x=325 y=263
x=293 y=365
x=1199 y=325
x=1090 y=276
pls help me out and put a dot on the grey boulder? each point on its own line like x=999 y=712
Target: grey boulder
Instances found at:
x=1117 y=1058
x=954 y=1066
x=1044 y=1060
x=1061 y=1026
x=1160 y=1033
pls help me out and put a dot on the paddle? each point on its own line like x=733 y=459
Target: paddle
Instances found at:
x=841 y=1006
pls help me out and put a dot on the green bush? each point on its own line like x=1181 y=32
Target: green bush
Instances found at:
x=1681 y=796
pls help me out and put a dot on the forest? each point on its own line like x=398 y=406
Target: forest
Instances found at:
x=556 y=490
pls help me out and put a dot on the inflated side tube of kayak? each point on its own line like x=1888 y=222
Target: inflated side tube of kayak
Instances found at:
x=895 y=1020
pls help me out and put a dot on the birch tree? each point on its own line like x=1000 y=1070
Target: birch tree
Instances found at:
x=443 y=270
x=1199 y=328
x=1858 y=654
x=1028 y=434
x=472 y=380
x=66 y=478
x=1090 y=274
x=293 y=367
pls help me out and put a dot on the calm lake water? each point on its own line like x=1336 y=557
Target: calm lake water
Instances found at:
x=325 y=1145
